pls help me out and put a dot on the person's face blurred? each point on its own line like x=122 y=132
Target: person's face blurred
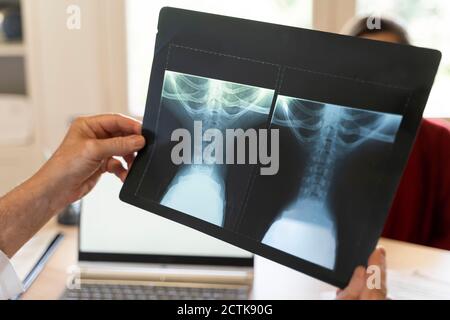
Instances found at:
x=382 y=36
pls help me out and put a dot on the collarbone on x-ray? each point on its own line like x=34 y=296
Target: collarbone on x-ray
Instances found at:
x=217 y=109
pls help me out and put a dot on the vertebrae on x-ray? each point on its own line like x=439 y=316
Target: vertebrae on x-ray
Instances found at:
x=306 y=227
x=199 y=190
x=329 y=132
x=218 y=104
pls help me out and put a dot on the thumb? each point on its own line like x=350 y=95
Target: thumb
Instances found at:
x=118 y=146
x=355 y=286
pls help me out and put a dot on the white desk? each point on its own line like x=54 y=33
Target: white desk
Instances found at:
x=272 y=281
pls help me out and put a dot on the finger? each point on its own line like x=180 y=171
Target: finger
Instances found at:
x=100 y=149
x=355 y=286
x=115 y=167
x=113 y=125
x=378 y=258
x=90 y=183
x=129 y=158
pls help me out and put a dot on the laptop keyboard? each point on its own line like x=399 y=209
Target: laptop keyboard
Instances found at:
x=149 y=292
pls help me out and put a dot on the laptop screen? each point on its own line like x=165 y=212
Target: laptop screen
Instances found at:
x=111 y=230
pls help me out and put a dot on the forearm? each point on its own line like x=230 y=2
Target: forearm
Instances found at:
x=87 y=151
x=24 y=210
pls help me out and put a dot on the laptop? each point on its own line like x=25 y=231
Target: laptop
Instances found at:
x=127 y=253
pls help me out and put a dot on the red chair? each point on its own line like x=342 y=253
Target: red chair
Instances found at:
x=420 y=212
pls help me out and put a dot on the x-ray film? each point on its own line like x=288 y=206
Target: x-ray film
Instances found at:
x=288 y=150
x=199 y=187
x=325 y=134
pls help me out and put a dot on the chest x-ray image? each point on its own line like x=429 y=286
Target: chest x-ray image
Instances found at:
x=199 y=186
x=326 y=134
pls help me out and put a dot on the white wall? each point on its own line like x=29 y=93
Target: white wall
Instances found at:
x=70 y=82
x=69 y=73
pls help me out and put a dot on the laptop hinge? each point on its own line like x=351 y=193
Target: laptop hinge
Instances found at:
x=165 y=274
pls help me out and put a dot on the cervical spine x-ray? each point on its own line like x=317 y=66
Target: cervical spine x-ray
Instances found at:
x=199 y=189
x=325 y=134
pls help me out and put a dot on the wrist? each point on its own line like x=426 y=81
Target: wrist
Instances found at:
x=24 y=210
x=48 y=189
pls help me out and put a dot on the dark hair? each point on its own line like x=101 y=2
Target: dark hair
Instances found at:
x=359 y=27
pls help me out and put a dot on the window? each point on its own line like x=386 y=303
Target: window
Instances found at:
x=428 y=23
x=142 y=17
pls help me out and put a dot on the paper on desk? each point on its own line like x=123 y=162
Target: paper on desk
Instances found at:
x=27 y=257
x=411 y=285
x=417 y=285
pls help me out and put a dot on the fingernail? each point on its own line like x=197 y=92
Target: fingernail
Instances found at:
x=361 y=272
x=138 y=141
